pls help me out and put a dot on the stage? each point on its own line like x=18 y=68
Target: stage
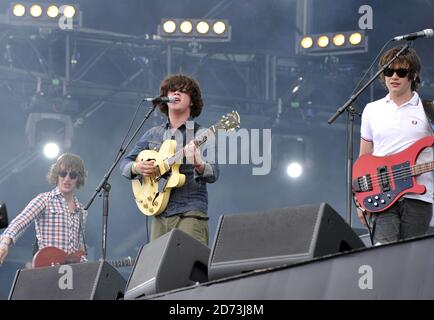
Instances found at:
x=401 y=270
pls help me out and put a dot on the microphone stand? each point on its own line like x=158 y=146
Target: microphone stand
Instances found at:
x=348 y=106
x=105 y=186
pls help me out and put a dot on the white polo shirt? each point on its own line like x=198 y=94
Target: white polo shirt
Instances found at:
x=393 y=129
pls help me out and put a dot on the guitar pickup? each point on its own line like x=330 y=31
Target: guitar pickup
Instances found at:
x=362 y=184
x=383 y=176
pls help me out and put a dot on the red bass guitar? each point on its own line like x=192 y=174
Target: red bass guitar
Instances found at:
x=378 y=182
x=52 y=256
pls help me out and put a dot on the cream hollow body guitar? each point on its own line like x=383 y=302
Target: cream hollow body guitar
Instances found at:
x=152 y=193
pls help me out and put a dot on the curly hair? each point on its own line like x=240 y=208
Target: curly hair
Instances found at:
x=408 y=57
x=67 y=161
x=186 y=84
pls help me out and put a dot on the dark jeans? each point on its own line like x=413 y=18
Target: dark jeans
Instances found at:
x=406 y=218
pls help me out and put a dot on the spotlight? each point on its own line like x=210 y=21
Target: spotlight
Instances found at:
x=42 y=129
x=194 y=30
x=202 y=27
x=68 y=11
x=306 y=42
x=169 y=26
x=18 y=10
x=323 y=41
x=51 y=150
x=219 y=27
x=338 y=39
x=355 y=38
x=294 y=170
x=52 y=11
x=35 y=10
x=186 y=26
x=335 y=43
x=47 y=15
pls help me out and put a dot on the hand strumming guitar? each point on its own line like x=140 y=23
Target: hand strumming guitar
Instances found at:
x=145 y=168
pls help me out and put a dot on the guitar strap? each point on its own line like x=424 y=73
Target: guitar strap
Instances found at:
x=428 y=107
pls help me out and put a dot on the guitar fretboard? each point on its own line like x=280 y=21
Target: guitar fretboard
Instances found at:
x=422 y=168
x=201 y=139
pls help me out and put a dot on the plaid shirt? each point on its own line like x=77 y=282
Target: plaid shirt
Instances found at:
x=55 y=226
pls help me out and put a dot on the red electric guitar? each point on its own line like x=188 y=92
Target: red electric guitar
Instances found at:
x=52 y=256
x=378 y=182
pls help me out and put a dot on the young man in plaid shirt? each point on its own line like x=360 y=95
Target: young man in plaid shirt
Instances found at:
x=59 y=216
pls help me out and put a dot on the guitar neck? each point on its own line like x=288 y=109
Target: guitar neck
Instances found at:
x=198 y=141
x=422 y=168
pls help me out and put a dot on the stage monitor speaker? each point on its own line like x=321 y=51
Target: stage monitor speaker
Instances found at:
x=80 y=281
x=172 y=261
x=246 y=242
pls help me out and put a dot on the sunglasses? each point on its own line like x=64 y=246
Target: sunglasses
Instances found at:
x=401 y=72
x=72 y=174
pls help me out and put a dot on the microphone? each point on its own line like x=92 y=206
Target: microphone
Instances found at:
x=160 y=99
x=411 y=36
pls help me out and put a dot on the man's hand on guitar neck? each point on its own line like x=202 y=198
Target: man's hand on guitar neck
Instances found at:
x=145 y=168
x=193 y=156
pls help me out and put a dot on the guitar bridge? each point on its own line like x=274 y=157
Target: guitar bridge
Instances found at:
x=362 y=184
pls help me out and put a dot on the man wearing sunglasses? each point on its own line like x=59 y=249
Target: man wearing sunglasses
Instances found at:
x=390 y=125
x=58 y=215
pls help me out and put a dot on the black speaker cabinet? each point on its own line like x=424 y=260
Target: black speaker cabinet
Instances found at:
x=172 y=261
x=245 y=242
x=80 y=281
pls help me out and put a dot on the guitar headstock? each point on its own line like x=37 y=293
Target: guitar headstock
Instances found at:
x=230 y=121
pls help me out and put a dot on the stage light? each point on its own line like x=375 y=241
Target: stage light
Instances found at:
x=323 y=41
x=202 y=27
x=186 y=26
x=51 y=150
x=69 y=11
x=40 y=14
x=169 y=26
x=332 y=43
x=219 y=27
x=18 y=10
x=43 y=129
x=288 y=155
x=355 y=38
x=338 y=39
x=194 y=30
x=35 y=10
x=306 y=42
x=294 y=170
x=52 y=11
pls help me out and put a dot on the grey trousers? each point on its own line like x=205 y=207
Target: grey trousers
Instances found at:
x=404 y=219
